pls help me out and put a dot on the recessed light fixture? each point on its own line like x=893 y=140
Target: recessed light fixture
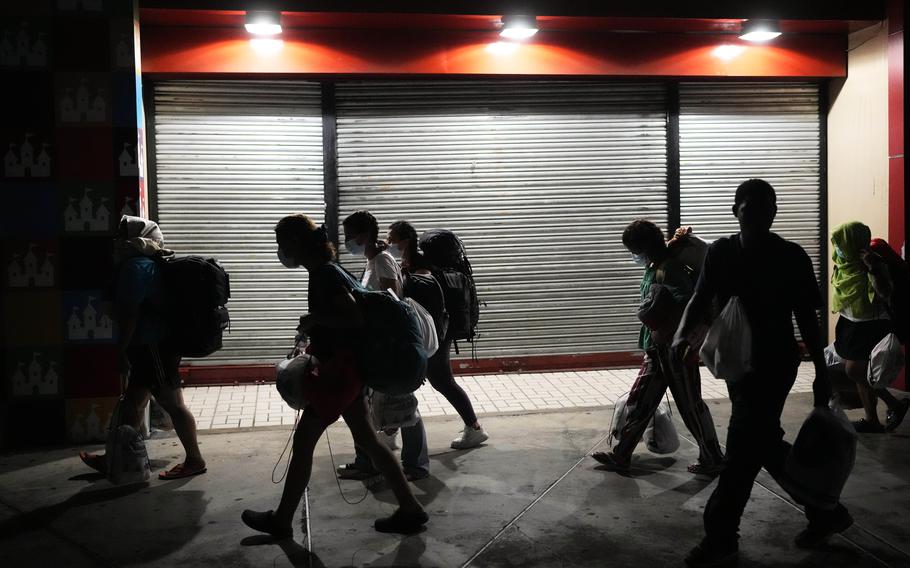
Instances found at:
x=518 y=27
x=263 y=22
x=760 y=30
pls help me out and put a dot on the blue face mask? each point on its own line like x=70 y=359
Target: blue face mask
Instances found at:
x=354 y=248
x=395 y=250
x=840 y=254
x=640 y=259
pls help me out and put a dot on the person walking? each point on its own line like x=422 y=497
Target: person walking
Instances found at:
x=861 y=287
x=334 y=326
x=775 y=281
x=145 y=357
x=403 y=243
x=665 y=289
x=361 y=234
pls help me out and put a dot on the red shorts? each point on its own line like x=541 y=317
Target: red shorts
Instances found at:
x=333 y=386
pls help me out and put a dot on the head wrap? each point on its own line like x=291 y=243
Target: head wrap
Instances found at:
x=851 y=284
x=138 y=237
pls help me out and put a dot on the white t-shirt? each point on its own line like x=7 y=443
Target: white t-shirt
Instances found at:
x=383 y=265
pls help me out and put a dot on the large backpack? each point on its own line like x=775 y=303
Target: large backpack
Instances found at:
x=196 y=291
x=391 y=355
x=445 y=253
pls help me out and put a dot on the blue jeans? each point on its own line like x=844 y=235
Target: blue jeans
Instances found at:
x=414 y=452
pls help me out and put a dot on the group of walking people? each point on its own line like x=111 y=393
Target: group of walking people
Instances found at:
x=774 y=279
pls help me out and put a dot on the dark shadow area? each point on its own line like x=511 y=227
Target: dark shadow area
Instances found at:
x=297 y=554
x=407 y=554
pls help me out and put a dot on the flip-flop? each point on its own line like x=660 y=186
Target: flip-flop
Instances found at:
x=94 y=461
x=178 y=472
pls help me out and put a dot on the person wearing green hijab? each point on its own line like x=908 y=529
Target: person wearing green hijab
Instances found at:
x=859 y=287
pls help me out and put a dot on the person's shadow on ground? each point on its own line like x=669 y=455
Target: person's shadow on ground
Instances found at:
x=297 y=554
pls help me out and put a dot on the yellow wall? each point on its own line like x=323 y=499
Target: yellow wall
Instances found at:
x=858 y=138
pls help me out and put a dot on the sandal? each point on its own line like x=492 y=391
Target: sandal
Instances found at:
x=180 y=471
x=894 y=418
x=94 y=461
x=863 y=426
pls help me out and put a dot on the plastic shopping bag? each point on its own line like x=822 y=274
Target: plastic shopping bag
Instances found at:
x=821 y=459
x=886 y=362
x=661 y=435
x=621 y=410
x=126 y=454
x=427 y=327
x=727 y=350
x=393 y=411
x=290 y=377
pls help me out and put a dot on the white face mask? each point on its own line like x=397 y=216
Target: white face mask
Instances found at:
x=354 y=248
x=395 y=250
x=285 y=261
x=640 y=259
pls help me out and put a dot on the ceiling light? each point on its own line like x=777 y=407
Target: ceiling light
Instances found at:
x=760 y=30
x=518 y=27
x=263 y=23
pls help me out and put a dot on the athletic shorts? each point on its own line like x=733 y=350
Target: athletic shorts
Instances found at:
x=154 y=366
x=855 y=340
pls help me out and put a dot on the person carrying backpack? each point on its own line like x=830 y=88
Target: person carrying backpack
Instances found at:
x=403 y=243
x=361 y=232
x=862 y=289
x=773 y=280
x=336 y=326
x=665 y=289
x=145 y=353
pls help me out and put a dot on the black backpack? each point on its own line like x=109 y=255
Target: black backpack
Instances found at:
x=196 y=290
x=426 y=291
x=445 y=253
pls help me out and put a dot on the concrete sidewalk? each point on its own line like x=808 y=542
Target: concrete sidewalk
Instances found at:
x=530 y=497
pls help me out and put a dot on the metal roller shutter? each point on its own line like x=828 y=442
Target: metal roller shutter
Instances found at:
x=729 y=132
x=538 y=178
x=233 y=157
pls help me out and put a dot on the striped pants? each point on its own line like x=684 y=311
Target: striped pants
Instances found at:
x=684 y=382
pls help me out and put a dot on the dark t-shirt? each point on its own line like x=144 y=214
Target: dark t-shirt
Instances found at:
x=772 y=281
x=326 y=282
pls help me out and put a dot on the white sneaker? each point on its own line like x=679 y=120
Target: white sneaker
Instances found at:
x=389 y=440
x=470 y=438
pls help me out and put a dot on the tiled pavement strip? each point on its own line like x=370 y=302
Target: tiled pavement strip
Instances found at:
x=259 y=405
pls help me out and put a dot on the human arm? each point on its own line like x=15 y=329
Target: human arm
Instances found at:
x=698 y=310
x=343 y=313
x=806 y=301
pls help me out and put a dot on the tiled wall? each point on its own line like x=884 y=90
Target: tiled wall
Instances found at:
x=71 y=138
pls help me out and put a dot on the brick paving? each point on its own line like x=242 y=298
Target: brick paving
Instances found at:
x=259 y=405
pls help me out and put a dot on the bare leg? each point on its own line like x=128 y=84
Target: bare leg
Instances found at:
x=856 y=370
x=309 y=430
x=184 y=424
x=357 y=419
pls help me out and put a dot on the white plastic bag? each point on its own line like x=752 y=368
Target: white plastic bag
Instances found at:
x=427 y=326
x=886 y=362
x=393 y=411
x=290 y=375
x=621 y=410
x=125 y=452
x=727 y=351
x=822 y=458
x=661 y=435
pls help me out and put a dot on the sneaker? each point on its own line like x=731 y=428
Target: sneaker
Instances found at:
x=390 y=440
x=706 y=556
x=894 y=417
x=265 y=522
x=819 y=532
x=353 y=471
x=611 y=461
x=415 y=473
x=863 y=426
x=706 y=469
x=401 y=522
x=470 y=438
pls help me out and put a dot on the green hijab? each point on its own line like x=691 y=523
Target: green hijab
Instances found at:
x=850 y=282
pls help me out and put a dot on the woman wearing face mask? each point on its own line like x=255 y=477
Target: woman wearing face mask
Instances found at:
x=403 y=243
x=334 y=324
x=860 y=286
x=361 y=237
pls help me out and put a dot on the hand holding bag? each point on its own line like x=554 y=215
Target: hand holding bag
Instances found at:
x=727 y=350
